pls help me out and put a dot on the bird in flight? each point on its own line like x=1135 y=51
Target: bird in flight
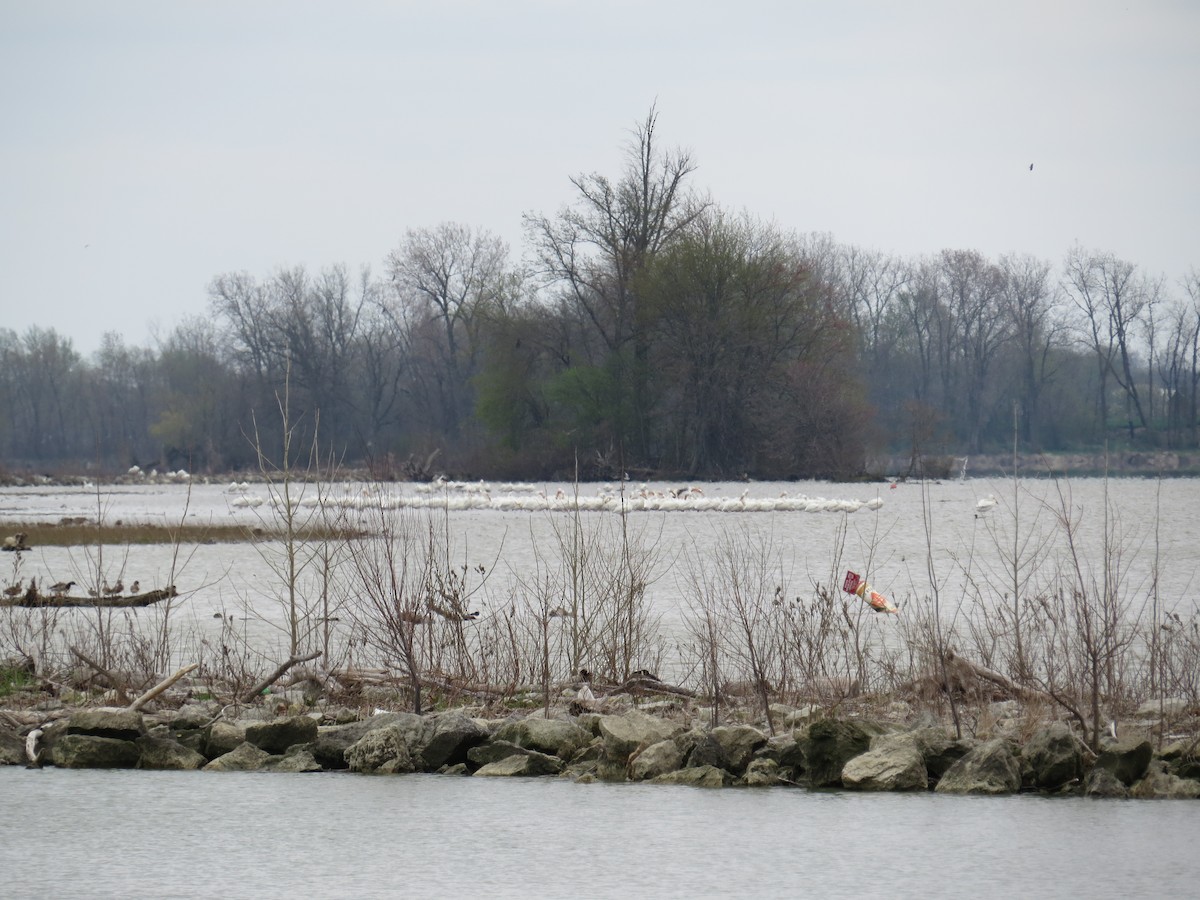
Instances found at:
x=1031 y=167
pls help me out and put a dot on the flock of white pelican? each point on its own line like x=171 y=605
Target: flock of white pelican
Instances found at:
x=453 y=495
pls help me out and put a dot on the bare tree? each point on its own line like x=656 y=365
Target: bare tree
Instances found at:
x=445 y=278
x=973 y=331
x=595 y=249
x=1113 y=302
x=1030 y=301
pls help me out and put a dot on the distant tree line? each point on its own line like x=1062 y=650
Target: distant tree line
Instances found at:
x=647 y=329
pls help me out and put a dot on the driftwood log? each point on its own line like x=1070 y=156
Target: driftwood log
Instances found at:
x=33 y=599
x=251 y=695
x=161 y=686
x=117 y=684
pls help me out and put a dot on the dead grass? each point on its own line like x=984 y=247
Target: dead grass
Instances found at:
x=77 y=533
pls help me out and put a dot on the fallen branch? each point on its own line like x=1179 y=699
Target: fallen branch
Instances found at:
x=32 y=599
x=952 y=659
x=251 y=695
x=646 y=684
x=161 y=686
x=117 y=684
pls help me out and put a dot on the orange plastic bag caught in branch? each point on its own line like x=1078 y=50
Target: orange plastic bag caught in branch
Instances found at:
x=855 y=584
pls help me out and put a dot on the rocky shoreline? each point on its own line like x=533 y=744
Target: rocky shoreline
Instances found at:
x=658 y=743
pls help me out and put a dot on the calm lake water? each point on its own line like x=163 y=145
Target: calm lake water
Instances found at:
x=190 y=834
x=921 y=536
x=161 y=834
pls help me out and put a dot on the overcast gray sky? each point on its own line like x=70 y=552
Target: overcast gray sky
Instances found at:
x=146 y=147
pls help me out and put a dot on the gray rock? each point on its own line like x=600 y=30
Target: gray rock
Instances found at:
x=222 y=737
x=528 y=763
x=329 y=748
x=88 y=751
x=763 y=772
x=192 y=716
x=1185 y=767
x=453 y=736
x=990 y=768
x=1127 y=760
x=625 y=733
x=122 y=724
x=831 y=743
x=164 y=753
x=895 y=764
x=788 y=752
x=298 y=761
x=383 y=750
x=940 y=751
x=657 y=759
x=1159 y=784
x=1052 y=757
x=699 y=776
x=558 y=737
x=276 y=736
x=494 y=751
x=738 y=745
x=12 y=748
x=245 y=757
x=1169 y=707
x=708 y=751
x=1103 y=783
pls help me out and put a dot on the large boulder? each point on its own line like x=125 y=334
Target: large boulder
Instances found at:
x=329 y=748
x=385 y=751
x=1159 y=783
x=165 y=753
x=707 y=751
x=625 y=733
x=1102 y=783
x=12 y=748
x=894 y=763
x=1052 y=757
x=831 y=743
x=657 y=759
x=276 y=736
x=245 y=757
x=789 y=753
x=738 y=745
x=1127 y=759
x=529 y=763
x=222 y=737
x=297 y=760
x=88 y=751
x=764 y=772
x=454 y=734
x=698 y=776
x=494 y=751
x=990 y=768
x=121 y=724
x=937 y=748
x=558 y=737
